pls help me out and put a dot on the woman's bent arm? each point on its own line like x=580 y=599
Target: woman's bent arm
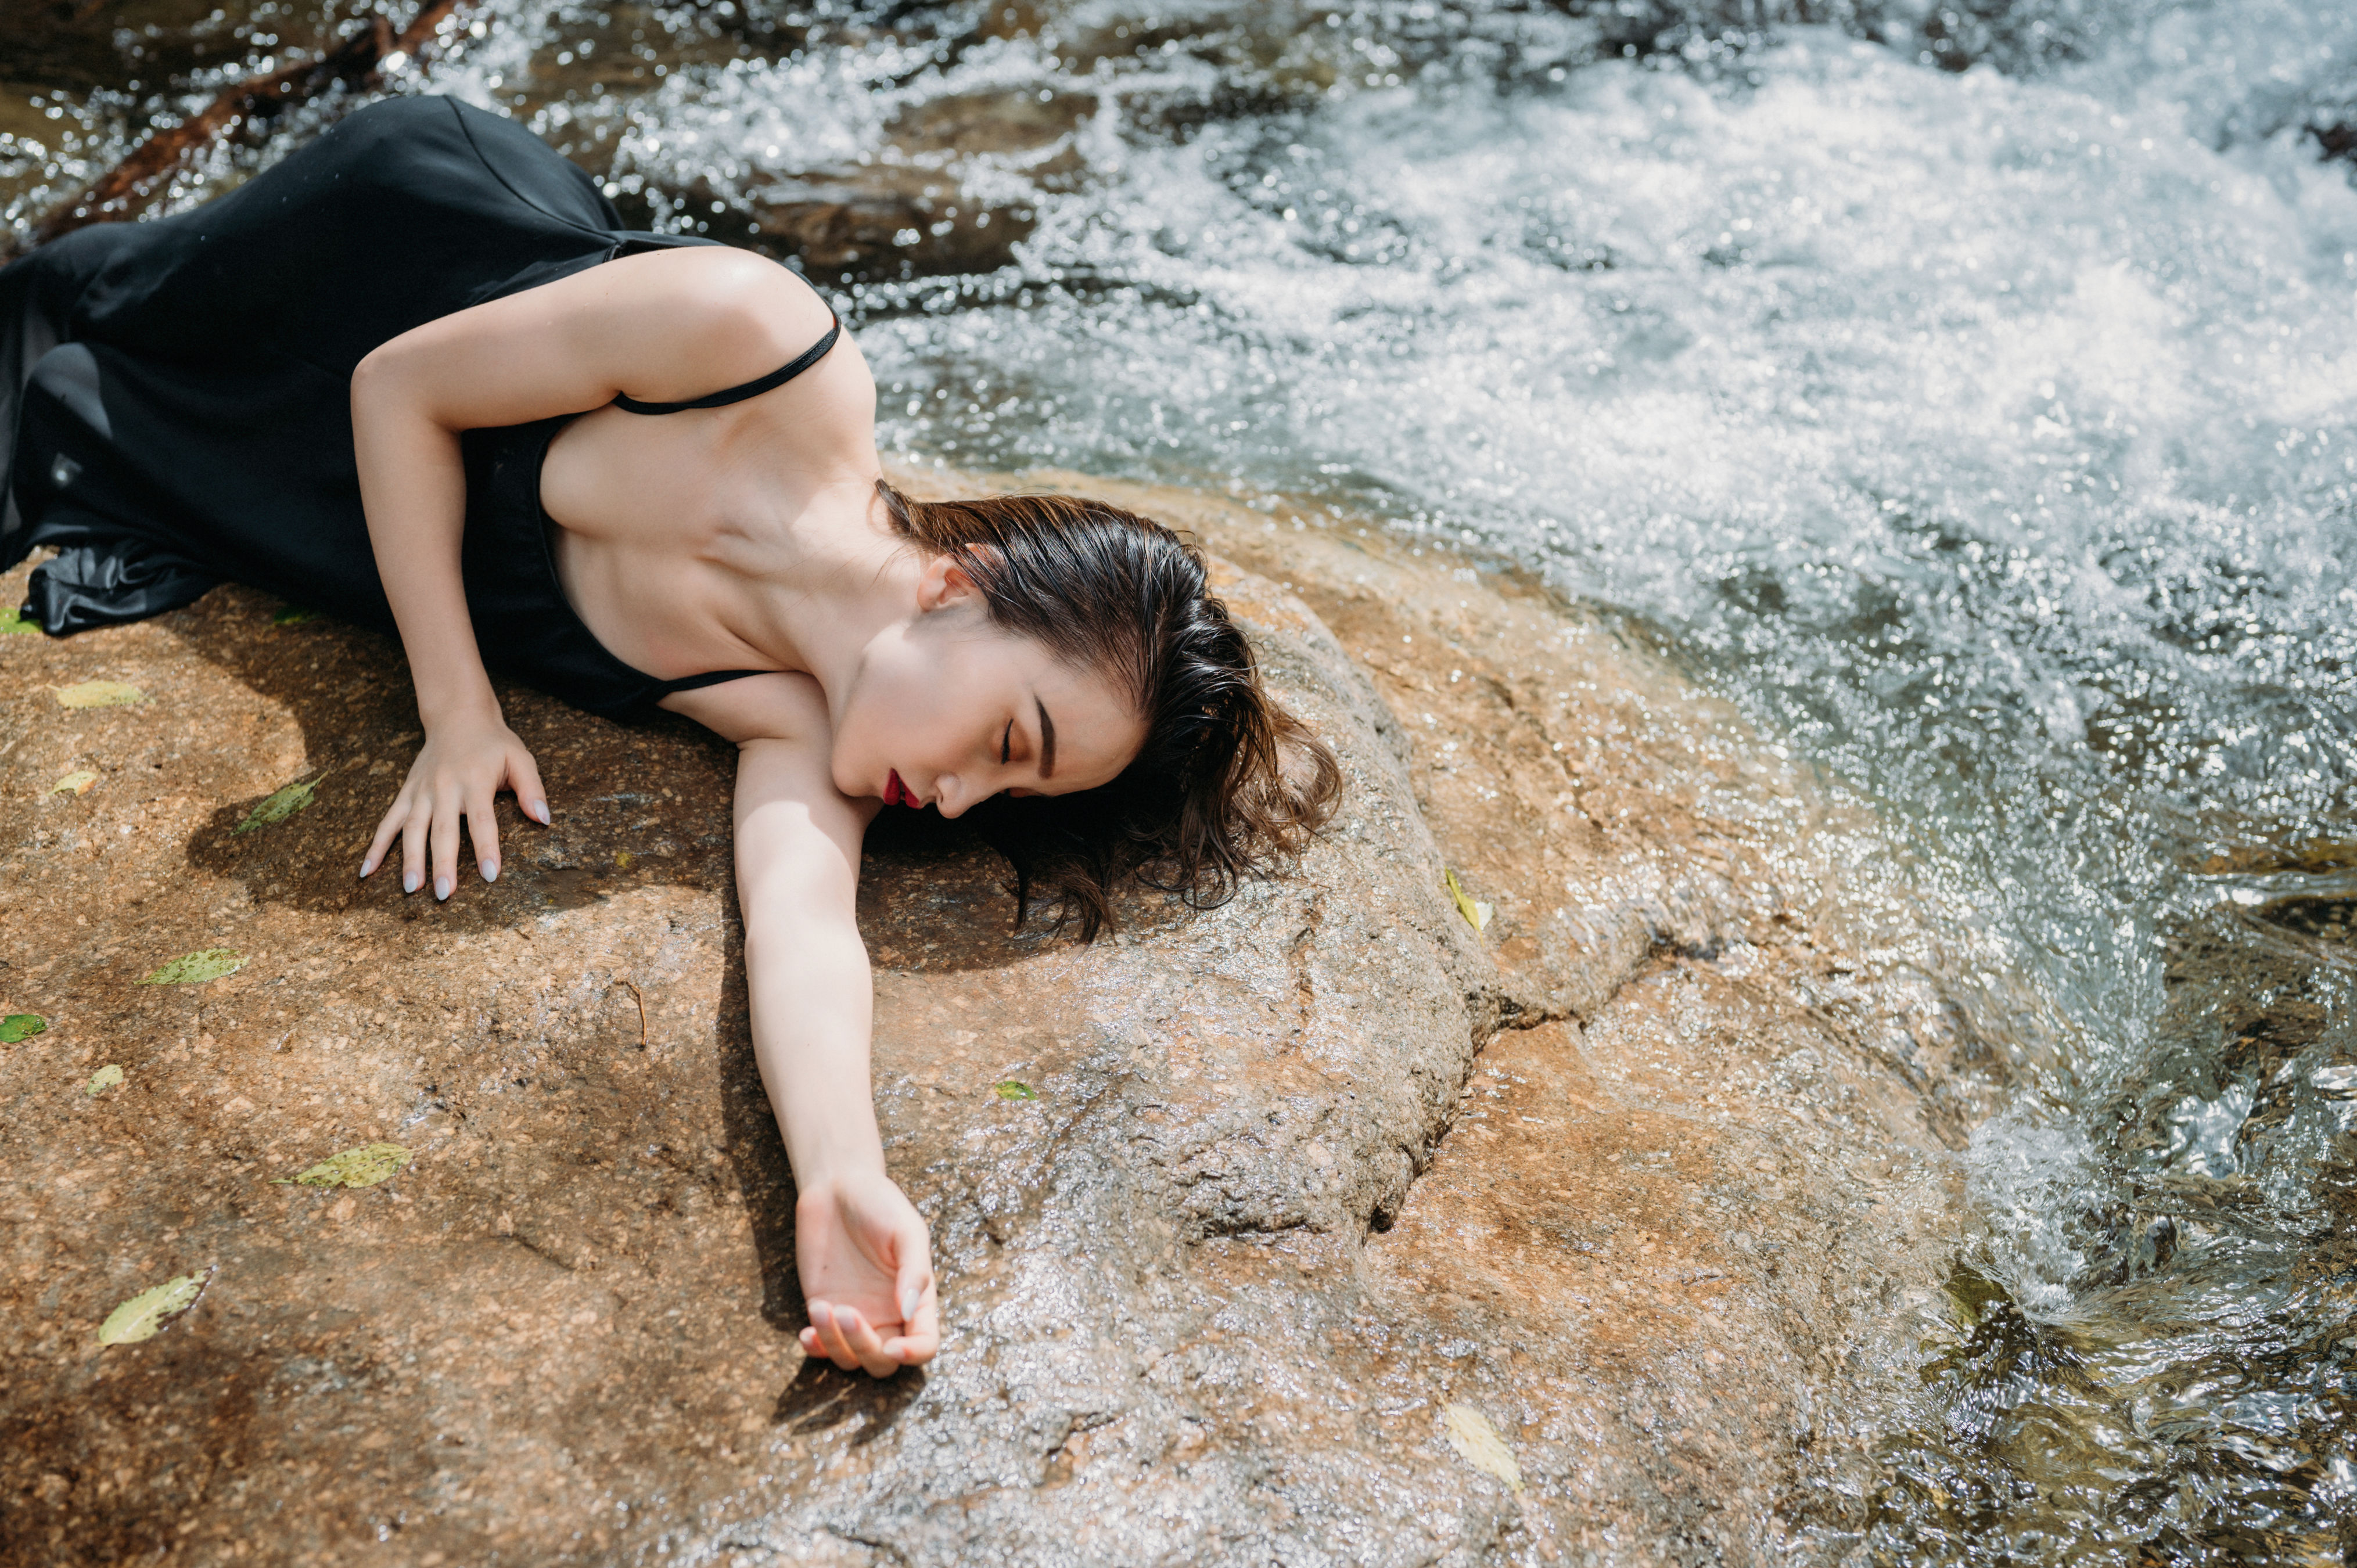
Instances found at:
x=863 y=1251
x=653 y=325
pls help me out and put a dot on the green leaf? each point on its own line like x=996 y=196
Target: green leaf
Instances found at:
x=1476 y=915
x=292 y=615
x=195 y=968
x=1014 y=1088
x=11 y=622
x=1478 y=1443
x=21 y=1027
x=98 y=694
x=75 y=783
x=102 y=1080
x=364 y=1167
x=280 y=806
x=144 y=1314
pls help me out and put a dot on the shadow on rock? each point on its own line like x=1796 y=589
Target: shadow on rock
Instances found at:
x=823 y=1397
x=633 y=805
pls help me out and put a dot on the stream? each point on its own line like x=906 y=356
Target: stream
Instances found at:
x=1968 y=391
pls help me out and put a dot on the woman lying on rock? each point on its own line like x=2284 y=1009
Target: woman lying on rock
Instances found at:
x=417 y=376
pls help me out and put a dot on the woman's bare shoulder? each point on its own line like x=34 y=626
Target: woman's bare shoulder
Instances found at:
x=727 y=310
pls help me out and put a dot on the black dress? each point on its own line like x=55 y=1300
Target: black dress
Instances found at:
x=175 y=397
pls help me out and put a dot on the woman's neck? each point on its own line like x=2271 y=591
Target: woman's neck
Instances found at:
x=845 y=577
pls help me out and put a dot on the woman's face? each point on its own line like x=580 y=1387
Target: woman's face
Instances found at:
x=946 y=709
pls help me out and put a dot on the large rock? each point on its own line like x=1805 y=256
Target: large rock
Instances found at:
x=1288 y=1231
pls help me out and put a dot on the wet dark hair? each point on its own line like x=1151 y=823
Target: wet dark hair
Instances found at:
x=1227 y=784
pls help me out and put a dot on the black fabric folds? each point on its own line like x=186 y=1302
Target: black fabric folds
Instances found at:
x=178 y=390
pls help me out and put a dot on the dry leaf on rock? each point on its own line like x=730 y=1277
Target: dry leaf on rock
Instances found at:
x=195 y=968
x=1477 y=915
x=144 y=1314
x=1478 y=1443
x=364 y=1167
x=102 y=1080
x=292 y=615
x=21 y=1027
x=98 y=694
x=280 y=805
x=75 y=783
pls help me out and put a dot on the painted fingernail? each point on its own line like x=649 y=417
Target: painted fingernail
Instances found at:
x=490 y=871
x=540 y=812
x=908 y=1299
x=441 y=888
x=409 y=882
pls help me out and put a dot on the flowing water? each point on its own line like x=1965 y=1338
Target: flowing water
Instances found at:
x=1969 y=392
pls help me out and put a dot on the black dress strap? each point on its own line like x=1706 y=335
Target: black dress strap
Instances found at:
x=776 y=378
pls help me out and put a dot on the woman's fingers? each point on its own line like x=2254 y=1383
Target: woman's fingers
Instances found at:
x=444 y=845
x=523 y=778
x=385 y=830
x=921 y=1331
x=483 y=828
x=844 y=1336
x=413 y=847
x=830 y=1341
x=864 y=1343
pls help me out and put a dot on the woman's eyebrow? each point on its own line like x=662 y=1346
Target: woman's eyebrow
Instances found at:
x=1046 y=738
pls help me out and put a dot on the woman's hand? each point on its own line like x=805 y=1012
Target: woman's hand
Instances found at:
x=865 y=1260
x=463 y=763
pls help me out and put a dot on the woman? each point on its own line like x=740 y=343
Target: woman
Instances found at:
x=419 y=377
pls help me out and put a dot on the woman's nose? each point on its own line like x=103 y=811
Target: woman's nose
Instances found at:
x=950 y=797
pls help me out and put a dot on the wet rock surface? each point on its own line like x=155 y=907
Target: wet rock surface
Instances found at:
x=1318 y=1228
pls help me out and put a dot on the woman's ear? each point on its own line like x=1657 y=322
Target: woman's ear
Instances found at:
x=945 y=582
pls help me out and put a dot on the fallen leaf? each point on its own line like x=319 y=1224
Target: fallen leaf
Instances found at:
x=144 y=1314
x=98 y=694
x=1478 y=1443
x=102 y=1080
x=195 y=968
x=281 y=805
x=75 y=783
x=292 y=615
x=364 y=1167
x=624 y=859
x=21 y=1027
x=1014 y=1088
x=1476 y=915
x=10 y=621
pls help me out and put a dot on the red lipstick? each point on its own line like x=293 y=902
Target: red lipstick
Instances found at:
x=895 y=793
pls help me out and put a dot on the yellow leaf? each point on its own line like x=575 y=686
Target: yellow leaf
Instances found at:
x=12 y=623
x=102 y=1080
x=1476 y=915
x=1014 y=1088
x=75 y=783
x=98 y=694
x=1478 y=1443
x=144 y=1314
x=364 y=1167
x=625 y=859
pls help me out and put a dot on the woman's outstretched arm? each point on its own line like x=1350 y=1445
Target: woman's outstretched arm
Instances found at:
x=862 y=1249
x=673 y=324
